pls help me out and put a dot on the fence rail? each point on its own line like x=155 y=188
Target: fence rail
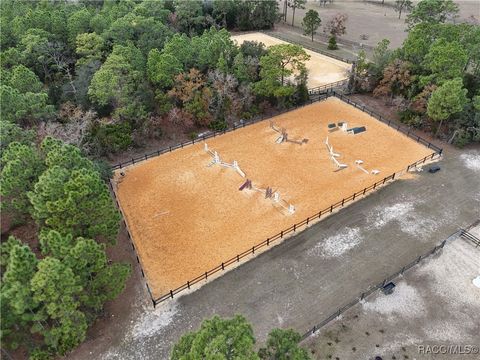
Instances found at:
x=330 y=92
x=318 y=90
x=469 y=236
x=437 y=152
x=326 y=53
x=375 y=287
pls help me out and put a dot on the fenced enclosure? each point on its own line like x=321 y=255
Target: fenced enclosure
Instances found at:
x=374 y=288
x=459 y=233
x=275 y=239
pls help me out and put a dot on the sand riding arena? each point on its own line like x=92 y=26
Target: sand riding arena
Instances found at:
x=322 y=69
x=191 y=209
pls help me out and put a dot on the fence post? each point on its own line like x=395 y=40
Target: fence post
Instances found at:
x=171 y=294
x=268 y=241
x=206 y=275
x=188 y=284
x=294 y=227
x=281 y=234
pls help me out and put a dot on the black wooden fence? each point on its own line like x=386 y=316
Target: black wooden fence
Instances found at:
x=318 y=90
x=292 y=229
x=326 y=53
x=330 y=92
x=363 y=295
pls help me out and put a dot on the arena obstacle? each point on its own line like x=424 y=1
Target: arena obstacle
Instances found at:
x=333 y=155
x=218 y=161
x=284 y=135
x=359 y=165
x=269 y=194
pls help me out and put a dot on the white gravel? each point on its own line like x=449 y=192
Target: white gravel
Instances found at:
x=404 y=214
x=337 y=245
x=471 y=160
x=404 y=302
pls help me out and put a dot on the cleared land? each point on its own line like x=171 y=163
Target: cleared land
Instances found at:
x=435 y=303
x=186 y=217
x=321 y=69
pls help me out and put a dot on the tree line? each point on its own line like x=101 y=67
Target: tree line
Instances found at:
x=434 y=77
x=54 y=289
x=105 y=75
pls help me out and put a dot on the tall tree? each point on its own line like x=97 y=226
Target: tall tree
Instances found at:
x=336 y=26
x=21 y=167
x=17 y=300
x=402 y=5
x=439 y=60
x=296 y=4
x=283 y=345
x=311 y=22
x=397 y=78
x=281 y=62
x=76 y=202
x=55 y=287
x=218 y=338
x=447 y=100
x=432 y=11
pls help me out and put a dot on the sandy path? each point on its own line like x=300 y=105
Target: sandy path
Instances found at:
x=186 y=217
x=321 y=69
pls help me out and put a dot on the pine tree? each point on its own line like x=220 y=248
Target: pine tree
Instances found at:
x=22 y=166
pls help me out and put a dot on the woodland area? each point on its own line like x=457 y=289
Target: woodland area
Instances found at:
x=83 y=80
x=434 y=78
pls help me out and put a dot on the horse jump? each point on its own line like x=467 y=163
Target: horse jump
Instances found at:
x=333 y=155
x=217 y=160
x=269 y=194
x=284 y=135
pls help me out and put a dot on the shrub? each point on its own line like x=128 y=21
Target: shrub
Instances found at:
x=332 y=43
x=110 y=138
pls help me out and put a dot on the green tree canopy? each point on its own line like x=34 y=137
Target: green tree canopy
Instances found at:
x=432 y=11
x=281 y=62
x=283 y=345
x=447 y=100
x=21 y=167
x=439 y=60
x=218 y=339
x=311 y=22
x=76 y=202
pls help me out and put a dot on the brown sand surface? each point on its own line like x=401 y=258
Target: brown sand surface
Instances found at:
x=321 y=69
x=186 y=218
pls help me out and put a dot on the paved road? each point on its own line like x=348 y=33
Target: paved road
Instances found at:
x=301 y=281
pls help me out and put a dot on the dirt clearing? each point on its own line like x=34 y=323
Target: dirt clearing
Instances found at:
x=321 y=69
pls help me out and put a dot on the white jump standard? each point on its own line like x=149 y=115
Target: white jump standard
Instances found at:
x=333 y=155
x=359 y=165
x=217 y=160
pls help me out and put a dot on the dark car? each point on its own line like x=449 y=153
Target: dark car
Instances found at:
x=433 y=169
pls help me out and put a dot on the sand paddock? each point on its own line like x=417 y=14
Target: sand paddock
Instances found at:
x=321 y=69
x=186 y=218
